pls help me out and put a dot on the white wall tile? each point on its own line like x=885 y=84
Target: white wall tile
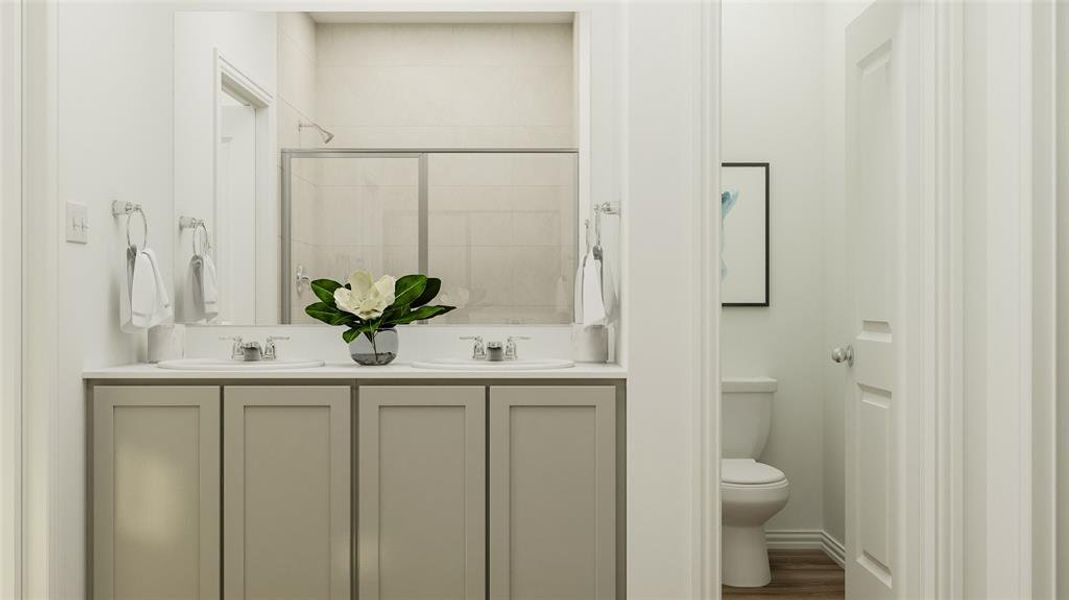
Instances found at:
x=491 y=228
x=537 y=275
x=300 y=29
x=297 y=76
x=491 y=275
x=478 y=85
x=536 y=229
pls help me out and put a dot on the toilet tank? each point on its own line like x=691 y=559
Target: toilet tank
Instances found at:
x=746 y=415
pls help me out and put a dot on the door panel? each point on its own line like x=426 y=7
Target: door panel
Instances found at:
x=286 y=496
x=155 y=498
x=876 y=150
x=552 y=493
x=422 y=493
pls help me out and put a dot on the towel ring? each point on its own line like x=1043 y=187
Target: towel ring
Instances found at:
x=206 y=244
x=144 y=227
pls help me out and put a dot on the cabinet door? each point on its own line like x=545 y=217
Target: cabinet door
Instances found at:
x=552 y=492
x=155 y=492
x=422 y=493
x=286 y=490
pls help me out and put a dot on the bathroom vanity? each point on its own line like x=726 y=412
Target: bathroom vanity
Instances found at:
x=341 y=482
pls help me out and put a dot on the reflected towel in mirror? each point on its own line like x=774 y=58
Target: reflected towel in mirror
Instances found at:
x=202 y=278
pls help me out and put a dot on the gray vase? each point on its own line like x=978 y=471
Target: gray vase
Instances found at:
x=378 y=351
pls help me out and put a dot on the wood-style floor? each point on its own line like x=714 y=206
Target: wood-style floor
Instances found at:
x=797 y=574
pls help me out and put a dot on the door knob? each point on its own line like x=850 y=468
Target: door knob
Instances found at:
x=842 y=354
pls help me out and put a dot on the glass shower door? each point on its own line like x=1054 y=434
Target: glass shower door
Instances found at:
x=343 y=212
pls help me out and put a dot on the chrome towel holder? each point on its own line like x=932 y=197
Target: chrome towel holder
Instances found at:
x=196 y=225
x=604 y=208
x=119 y=208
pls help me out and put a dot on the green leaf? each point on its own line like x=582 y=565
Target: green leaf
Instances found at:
x=434 y=285
x=324 y=289
x=349 y=335
x=408 y=288
x=391 y=314
x=329 y=314
x=424 y=312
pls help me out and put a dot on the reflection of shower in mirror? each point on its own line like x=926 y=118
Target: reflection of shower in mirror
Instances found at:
x=326 y=135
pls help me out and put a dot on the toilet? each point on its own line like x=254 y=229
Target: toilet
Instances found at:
x=750 y=491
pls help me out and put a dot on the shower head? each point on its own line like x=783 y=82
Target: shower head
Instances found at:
x=326 y=135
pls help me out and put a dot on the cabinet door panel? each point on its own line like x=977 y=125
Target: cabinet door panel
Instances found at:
x=552 y=493
x=155 y=492
x=286 y=495
x=422 y=493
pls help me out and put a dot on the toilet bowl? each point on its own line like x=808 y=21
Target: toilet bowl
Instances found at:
x=750 y=493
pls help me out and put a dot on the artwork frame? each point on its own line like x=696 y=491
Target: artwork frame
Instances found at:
x=734 y=172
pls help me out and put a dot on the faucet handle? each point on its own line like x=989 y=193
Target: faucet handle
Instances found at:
x=511 y=352
x=270 y=352
x=235 y=351
x=478 y=350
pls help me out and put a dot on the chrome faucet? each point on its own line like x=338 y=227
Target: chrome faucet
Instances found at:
x=253 y=351
x=495 y=351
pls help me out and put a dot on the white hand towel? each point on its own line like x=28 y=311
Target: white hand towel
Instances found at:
x=164 y=311
x=191 y=306
x=143 y=290
x=594 y=312
x=209 y=288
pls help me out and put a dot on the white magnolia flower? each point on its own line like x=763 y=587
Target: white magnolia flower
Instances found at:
x=366 y=300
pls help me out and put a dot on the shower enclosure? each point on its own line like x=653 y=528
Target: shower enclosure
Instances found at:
x=499 y=226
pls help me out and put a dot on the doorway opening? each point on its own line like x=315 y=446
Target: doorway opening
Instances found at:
x=822 y=398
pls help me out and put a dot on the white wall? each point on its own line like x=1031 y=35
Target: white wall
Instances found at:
x=773 y=111
x=114 y=142
x=997 y=300
x=662 y=192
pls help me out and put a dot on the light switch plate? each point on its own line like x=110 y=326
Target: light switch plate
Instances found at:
x=77 y=223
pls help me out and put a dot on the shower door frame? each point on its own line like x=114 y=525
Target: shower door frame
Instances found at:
x=286 y=279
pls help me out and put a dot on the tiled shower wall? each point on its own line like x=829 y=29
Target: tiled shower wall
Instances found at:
x=501 y=227
x=446 y=85
x=501 y=235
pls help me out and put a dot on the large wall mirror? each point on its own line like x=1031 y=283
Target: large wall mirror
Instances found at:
x=309 y=145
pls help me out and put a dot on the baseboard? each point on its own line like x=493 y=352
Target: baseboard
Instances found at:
x=807 y=539
x=833 y=548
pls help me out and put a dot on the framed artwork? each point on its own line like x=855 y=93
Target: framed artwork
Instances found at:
x=744 y=238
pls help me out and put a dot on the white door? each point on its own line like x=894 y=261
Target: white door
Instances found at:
x=880 y=82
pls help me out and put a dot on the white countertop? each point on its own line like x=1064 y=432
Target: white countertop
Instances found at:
x=351 y=370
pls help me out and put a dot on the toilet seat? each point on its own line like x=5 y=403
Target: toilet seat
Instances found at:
x=749 y=472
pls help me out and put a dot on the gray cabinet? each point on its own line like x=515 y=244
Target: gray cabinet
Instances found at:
x=286 y=492
x=461 y=492
x=553 y=492
x=155 y=492
x=422 y=492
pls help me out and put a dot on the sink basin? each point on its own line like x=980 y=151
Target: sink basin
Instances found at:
x=467 y=364
x=226 y=364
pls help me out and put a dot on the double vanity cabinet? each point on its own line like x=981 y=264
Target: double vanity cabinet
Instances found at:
x=335 y=489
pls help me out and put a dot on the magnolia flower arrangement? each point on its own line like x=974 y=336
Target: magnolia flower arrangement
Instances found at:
x=367 y=307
